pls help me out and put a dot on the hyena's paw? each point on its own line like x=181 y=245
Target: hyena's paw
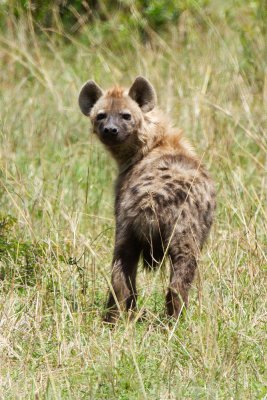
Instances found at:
x=111 y=316
x=176 y=305
x=135 y=315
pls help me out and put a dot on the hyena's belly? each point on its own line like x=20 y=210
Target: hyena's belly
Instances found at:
x=164 y=201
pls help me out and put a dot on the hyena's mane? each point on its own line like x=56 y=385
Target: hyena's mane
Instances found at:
x=158 y=132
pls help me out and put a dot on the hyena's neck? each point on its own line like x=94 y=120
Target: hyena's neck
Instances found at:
x=155 y=133
x=126 y=156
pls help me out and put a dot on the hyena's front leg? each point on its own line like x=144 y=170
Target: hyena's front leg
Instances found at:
x=123 y=279
x=183 y=266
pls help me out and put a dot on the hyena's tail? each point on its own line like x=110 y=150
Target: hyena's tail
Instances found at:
x=153 y=252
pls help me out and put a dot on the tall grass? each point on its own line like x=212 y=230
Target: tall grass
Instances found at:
x=57 y=227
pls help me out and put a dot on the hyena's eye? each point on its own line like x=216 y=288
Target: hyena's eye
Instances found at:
x=101 y=116
x=126 y=116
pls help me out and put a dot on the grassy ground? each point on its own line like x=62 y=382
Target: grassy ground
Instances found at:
x=57 y=227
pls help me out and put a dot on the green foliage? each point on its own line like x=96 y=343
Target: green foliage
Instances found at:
x=20 y=260
x=157 y=14
x=250 y=27
x=206 y=60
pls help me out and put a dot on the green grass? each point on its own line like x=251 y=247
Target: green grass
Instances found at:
x=57 y=226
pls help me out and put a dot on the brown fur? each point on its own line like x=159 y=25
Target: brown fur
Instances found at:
x=165 y=199
x=116 y=92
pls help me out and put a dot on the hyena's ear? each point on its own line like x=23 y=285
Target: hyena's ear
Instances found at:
x=143 y=93
x=89 y=94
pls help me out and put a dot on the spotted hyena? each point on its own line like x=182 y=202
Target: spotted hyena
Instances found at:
x=165 y=198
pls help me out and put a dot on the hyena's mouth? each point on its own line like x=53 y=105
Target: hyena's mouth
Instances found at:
x=113 y=140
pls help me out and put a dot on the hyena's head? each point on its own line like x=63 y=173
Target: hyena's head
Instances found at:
x=117 y=115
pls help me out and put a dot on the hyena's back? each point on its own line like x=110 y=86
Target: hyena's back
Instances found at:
x=166 y=198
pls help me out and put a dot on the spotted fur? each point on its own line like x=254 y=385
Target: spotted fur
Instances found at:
x=165 y=199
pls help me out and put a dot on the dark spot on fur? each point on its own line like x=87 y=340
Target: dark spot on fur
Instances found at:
x=169 y=190
x=207 y=219
x=197 y=204
x=183 y=184
x=168 y=202
x=176 y=182
x=166 y=176
x=187 y=185
x=181 y=195
x=133 y=205
x=194 y=227
x=183 y=214
x=163 y=168
x=146 y=184
x=159 y=198
x=135 y=190
x=171 y=185
x=208 y=205
x=148 y=178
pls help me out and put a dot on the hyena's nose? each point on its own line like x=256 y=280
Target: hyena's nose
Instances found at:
x=111 y=130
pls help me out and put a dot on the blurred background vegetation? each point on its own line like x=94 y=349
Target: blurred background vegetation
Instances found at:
x=141 y=14
x=207 y=61
x=245 y=17
x=119 y=24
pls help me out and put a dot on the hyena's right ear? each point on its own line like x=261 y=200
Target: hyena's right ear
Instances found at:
x=89 y=94
x=143 y=93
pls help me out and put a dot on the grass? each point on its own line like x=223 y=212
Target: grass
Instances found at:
x=57 y=227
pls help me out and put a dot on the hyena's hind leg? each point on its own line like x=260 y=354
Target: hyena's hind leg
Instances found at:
x=123 y=278
x=183 y=265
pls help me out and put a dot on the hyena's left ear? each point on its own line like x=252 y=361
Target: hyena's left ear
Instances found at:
x=143 y=93
x=89 y=94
